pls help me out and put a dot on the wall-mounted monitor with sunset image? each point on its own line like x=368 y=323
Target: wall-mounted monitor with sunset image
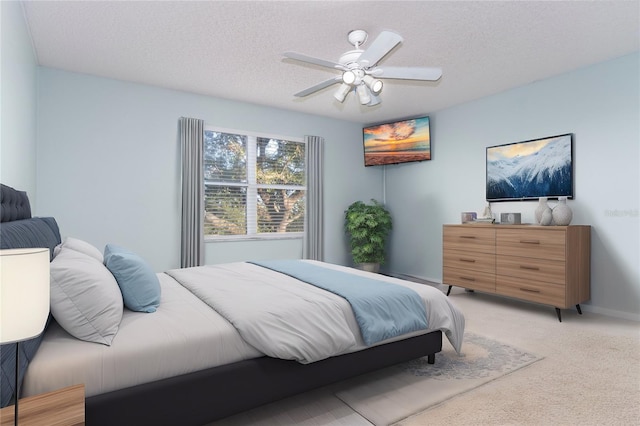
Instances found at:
x=397 y=142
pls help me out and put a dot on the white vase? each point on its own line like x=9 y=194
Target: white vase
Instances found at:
x=562 y=213
x=542 y=206
x=547 y=217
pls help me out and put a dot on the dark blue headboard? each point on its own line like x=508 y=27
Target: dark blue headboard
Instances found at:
x=19 y=230
x=14 y=204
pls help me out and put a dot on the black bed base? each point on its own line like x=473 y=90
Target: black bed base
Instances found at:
x=205 y=396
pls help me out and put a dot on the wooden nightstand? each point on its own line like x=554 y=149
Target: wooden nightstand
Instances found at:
x=64 y=407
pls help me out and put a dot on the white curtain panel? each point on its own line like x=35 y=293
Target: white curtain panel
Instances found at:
x=313 y=247
x=192 y=147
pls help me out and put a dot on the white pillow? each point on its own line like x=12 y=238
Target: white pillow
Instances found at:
x=81 y=246
x=85 y=297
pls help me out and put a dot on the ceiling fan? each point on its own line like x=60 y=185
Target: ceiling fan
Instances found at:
x=360 y=70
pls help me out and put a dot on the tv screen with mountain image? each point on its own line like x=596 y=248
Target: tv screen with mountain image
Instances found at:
x=531 y=169
x=397 y=142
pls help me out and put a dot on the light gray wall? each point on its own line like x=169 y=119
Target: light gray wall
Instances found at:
x=601 y=106
x=108 y=165
x=17 y=102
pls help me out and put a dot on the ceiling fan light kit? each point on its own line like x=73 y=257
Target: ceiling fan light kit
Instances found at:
x=342 y=92
x=375 y=100
x=363 y=94
x=360 y=70
x=373 y=84
x=349 y=77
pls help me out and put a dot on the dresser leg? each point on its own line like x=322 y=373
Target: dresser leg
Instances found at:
x=579 y=310
x=559 y=314
x=431 y=359
x=449 y=290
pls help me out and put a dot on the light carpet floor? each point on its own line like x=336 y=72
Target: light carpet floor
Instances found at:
x=391 y=394
x=584 y=370
x=590 y=374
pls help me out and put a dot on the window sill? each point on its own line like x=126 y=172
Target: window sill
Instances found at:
x=227 y=238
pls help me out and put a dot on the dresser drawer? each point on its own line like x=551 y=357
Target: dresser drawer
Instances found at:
x=532 y=269
x=540 y=244
x=480 y=281
x=469 y=238
x=549 y=294
x=474 y=261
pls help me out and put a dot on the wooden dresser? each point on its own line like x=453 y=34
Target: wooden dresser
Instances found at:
x=544 y=264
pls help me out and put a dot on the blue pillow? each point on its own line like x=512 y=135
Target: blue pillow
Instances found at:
x=138 y=282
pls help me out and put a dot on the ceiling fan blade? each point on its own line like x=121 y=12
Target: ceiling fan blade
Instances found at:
x=312 y=60
x=408 y=73
x=318 y=86
x=382 y=45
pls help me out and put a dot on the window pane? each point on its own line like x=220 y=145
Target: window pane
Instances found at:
x=253 y=185
x=280 y=210
x=225 y=157
x=280 y=162
x=225 y=210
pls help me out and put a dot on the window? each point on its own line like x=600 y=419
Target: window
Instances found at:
x=255 y=186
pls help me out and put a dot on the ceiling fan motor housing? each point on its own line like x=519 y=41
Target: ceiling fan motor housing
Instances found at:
x=349 y=59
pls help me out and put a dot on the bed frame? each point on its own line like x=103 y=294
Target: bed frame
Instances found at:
x=205 y=396
x=212 y=394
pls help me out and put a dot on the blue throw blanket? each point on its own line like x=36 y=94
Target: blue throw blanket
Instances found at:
x=382 y=310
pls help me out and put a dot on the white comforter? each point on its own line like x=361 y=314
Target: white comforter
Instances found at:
x=285 y=318
x=185 y=335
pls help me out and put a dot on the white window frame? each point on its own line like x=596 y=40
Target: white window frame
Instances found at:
x=252 y=187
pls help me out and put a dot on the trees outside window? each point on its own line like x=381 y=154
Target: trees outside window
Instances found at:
x=254 y=186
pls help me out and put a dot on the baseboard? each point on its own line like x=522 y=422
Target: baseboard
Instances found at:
x=611 y=313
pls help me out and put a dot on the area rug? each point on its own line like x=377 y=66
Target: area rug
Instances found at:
x=392 y=394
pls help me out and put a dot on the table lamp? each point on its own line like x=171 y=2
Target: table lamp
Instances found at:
x=24 y=299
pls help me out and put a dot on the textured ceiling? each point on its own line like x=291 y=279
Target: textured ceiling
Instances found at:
x=233 y=49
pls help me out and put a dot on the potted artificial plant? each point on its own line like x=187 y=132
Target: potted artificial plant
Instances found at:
x=367 y=226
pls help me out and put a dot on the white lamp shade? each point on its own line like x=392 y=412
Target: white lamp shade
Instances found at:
x=348 y=77
x=24 y=293
x=374 y=84
x=363 y=94
x=342 y=92
x=375 y=100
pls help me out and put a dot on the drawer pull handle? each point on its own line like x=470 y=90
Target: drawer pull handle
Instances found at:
x=530 y=241
x=467 y=260
x=531 y=268
x=467 y=278
x=468 y=236
x=528 y=290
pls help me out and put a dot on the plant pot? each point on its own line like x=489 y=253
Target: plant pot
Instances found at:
x=369 y=267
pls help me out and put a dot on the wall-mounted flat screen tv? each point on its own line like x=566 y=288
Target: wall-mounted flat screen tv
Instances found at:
x=531 y=169
x=397 y=142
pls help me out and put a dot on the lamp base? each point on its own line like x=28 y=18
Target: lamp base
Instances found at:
x=17 y=384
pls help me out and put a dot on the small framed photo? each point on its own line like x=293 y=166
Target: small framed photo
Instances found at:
x=466 y=217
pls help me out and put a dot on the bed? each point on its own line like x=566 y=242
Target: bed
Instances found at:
x=193 y=358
